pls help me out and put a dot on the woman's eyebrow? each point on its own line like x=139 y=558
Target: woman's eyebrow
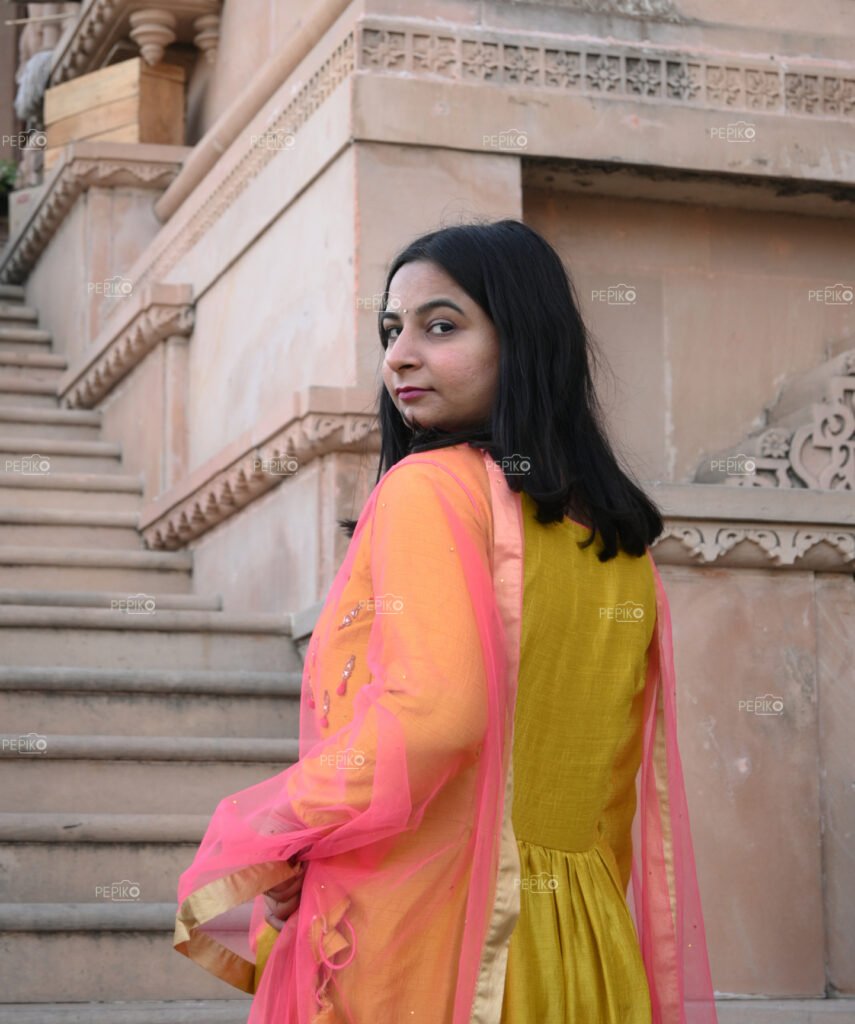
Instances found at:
x=423 y=308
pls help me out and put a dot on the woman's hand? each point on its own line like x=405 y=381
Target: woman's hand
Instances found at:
x=283 y=899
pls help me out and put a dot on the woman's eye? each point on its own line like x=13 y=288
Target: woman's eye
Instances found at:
x=390 y=334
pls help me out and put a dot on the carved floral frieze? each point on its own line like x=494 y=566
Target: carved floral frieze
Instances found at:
x=609 y=69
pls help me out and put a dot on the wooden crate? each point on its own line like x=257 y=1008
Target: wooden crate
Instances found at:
x=127 y=102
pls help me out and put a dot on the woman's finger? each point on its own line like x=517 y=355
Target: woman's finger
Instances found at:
x=286 y=889
x=278 y=911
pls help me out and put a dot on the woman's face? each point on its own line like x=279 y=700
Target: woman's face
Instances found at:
x=438 y=339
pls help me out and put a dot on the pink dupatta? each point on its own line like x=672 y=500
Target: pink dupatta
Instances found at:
x=399 y=805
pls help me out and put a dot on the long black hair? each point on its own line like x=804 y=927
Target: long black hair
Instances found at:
x=546 y=410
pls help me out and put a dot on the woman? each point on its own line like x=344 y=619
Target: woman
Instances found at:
x=482 y=691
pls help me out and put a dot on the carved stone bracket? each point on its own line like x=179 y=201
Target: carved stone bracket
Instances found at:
x=816 y=453
x=152 y=323
x=74 y=176
x=258 y=470
x=778 y=546
x=104 y=26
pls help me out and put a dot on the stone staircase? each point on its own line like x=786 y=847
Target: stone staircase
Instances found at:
x=129 y=706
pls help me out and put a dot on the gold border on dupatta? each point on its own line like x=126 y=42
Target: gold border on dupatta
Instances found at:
x=508 y=541
x=660 y=771
x=214 y=899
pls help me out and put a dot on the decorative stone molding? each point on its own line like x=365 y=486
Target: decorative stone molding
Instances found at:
x=85 y=165
x=710 y=525
x=209 y=498
x=161 y=312
x=784 y=547
x=704 y=525
x=609 y=69
x=560 y=64
x=105 y=25
x=818 y=452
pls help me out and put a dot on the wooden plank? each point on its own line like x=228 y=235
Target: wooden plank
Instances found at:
x=126 y=102
x=92 y=124
x=161 y=111
x=118 y=81
x=125 y=133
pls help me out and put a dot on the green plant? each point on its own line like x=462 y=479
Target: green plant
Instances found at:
x=8 y=174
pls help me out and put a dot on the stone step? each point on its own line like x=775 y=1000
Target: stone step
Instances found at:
x=115 y=492
x=31 y=394
x=729 y=1010
x=50 y=455
x=79 y=872
x=107 y=599
x=17 y=313
x=85 y=568
x=173 y=1011
x=32 y=366
x=27 y=705
x=44 y=772
x=61 y=827
x=97 y=951
x=62 y=857
x=67 y=424
x=21 y=337
x=12 y=292
x=216 y=682
x=12 y=342
x=68 y=527
x=164 y=638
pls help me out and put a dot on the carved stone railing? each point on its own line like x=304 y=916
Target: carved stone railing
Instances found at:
x=319 y=422
x=156 y=313
x=105 y=26
x=808 y=440
x=704 y=525
x=85 y=166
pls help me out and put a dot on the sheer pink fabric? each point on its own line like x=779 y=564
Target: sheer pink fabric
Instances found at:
x=665 y=900
x=397 y=801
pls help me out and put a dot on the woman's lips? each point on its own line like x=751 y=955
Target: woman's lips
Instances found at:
x=411 y=393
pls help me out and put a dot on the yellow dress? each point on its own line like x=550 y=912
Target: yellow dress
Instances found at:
x=574 y=956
